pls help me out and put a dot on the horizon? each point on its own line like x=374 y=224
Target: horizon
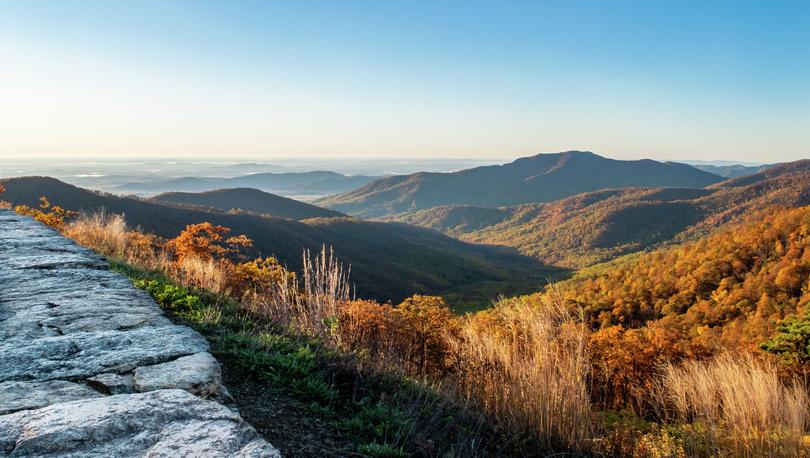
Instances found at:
x=473 y=80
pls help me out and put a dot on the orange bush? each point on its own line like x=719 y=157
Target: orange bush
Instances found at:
x=50 y=215
x=205 y=242
x=257 y=276
x=427 y=324
x=3 y=204
x=369 y=328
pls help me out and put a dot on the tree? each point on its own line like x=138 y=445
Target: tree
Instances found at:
x=427 y=322
x=792 y=340
x=205 y=242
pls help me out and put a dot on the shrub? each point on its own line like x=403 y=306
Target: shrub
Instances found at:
x=50 y=215
x=205 y=241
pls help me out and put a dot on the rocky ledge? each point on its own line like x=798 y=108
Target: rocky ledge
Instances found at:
x=89 y=366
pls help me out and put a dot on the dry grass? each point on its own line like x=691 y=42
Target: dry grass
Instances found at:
x=311 y=305
x=207 y=274
x=110 y=236
x=738 y=405
x=532 y=375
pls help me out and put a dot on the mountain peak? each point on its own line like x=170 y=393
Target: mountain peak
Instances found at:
x=540 y=178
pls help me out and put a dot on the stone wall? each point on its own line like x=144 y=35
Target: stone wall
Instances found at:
x=89 y=366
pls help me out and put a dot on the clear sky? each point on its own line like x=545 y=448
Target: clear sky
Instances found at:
x=464 y=79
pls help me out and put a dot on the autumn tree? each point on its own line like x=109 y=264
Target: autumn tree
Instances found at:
x=205 y=241
x=427 y=323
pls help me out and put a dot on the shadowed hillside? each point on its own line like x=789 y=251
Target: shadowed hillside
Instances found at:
x=540 y=178
x=251 y=200
x=388 y=261
x=597 y=226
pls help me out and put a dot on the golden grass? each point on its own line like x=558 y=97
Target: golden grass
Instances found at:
x=737 y=404
x=532 y=376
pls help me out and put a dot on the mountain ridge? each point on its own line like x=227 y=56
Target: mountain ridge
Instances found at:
x=595 y=226
x=247 y=199
x=389 y=261
x=540 y=178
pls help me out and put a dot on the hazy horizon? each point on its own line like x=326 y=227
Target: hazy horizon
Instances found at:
x=422 y=80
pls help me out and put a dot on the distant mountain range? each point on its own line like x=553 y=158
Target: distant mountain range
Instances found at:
x=246 y=199
x=540 y=178
x=389 y=261
x=596 y=226
x=290 y=184
x=732 y=171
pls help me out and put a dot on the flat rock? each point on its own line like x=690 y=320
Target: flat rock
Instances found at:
x=71 y=333
x=112 y=383
x=86 y=354
x=15 y=396
x=199 y=374
x=164 y=423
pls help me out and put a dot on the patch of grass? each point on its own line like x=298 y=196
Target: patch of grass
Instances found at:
x=297 y=366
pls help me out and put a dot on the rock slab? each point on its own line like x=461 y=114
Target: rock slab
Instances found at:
x=89 y=366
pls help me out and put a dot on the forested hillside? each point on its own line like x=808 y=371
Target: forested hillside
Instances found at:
x=727 y=290
x=593 y=227
x=389 y=261
x=540 y=178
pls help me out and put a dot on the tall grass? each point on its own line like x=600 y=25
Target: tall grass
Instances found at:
x=310 y=305
x=533 y=375
x=737 y=403
x=109 y=235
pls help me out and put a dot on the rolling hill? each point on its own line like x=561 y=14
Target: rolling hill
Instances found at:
x=732 y=171
x=251 y=200
x=314 y=184
x=594 y=227
x=540 y=178
x=389 y=261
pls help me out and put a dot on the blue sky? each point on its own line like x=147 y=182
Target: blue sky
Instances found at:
x=666 y=80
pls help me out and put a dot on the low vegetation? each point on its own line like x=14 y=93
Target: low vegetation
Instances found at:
x=636 y=360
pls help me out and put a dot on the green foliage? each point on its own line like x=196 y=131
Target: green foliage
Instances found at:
x=792 y=340
x=377 y=450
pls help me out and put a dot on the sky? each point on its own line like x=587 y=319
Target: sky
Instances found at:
x=709 y=80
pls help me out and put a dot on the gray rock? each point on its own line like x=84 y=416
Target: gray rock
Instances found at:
x=112 y=383
x=86 y=354
x=198 y=374
x=165 y=423
x=15 y=396
x=223 y=396
x=66 y=320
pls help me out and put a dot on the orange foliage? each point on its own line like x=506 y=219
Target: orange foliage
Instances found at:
x=257 y=276
x=427 y=324
x=625 y=362
x=205 y=242
x=415 y=336
x=50 y=215
x=3 y=204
